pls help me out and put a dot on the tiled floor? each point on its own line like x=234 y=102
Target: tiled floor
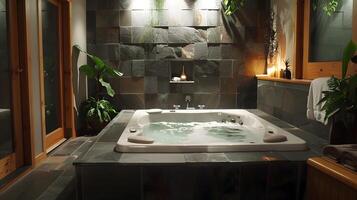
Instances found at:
x=54 y=178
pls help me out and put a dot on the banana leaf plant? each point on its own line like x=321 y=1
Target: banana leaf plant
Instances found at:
x=342 y=93
x=96 y=112
x=231 y=6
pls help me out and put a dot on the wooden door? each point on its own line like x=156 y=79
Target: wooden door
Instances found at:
x=11 y=140
x=52 y=101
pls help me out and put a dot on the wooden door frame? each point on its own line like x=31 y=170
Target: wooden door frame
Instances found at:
x=67 y=86
x=30 y=159
x=11 y=162
x=311 y=70
x=24 y=61
x=55 y=136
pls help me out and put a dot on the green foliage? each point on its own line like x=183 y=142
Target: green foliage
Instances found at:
x=347 y=56
x=328 y=6
x=98 y=110
x=341 y=95
x=99 y=71
x=231 y=6
x=159 y=4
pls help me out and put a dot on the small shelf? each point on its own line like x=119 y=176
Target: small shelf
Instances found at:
x=292 y=81
x=182 y=82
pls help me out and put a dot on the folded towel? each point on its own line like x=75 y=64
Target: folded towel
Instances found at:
x=349 y=159
x=335 y=151
x=314 y=111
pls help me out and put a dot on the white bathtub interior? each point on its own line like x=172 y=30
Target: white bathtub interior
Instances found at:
x=203 y=131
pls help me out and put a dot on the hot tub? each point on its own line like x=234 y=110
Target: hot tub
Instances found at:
x=169 y=131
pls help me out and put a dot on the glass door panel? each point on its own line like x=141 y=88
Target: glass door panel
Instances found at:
x=11 y=143
x=6 y=136
x=329 y=31
x=52 y=71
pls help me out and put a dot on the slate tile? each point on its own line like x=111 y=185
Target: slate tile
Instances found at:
x=130 y=101
x=214 y=52
x=145 y=158
x=140 y=18
x=125 y=68
x=107 y=18
x=186 y=35
x=203 y=69
x=211 y=101
x=159 y=68
x=107 y=35
x=151 y=85
x=138 y=68
x=126 y=188
x=205 y=157
x=130 y=52
x=160 y=17
x=226 y=69
x=213 y=35
x=253 y=181
x=108 y=4
x=160 y=35
x=125 y=18
x=142 y=35
x=228 y=86
x=125 y=34
x=131 y=85
x=213 y=18
x=170 y=183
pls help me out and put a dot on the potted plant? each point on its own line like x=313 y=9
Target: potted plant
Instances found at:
x=340 y=102
x=96 y=112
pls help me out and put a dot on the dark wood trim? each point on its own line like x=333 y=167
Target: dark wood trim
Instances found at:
x=354 y=36
x=40 y=59
x=328 y=180
x=39 y=158
x=299 y=39
x=68 y=81
x=16 y=82
x=8 y=165
x=26 y=84
x=291 y=81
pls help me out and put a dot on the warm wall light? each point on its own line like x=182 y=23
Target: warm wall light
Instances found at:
x=271 y=70
x=140 y=4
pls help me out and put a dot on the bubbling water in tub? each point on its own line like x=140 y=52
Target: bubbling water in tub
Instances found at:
x=197 y=132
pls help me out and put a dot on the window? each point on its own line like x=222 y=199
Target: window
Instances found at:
x=327 y=30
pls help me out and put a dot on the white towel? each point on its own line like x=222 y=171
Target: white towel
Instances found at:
x=314 y=111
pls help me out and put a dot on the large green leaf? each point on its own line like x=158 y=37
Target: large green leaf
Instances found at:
x=353 y=90
x=107 y=86
x=347 y=55
x=99 y=63
x=113 y=72
x=90 y=71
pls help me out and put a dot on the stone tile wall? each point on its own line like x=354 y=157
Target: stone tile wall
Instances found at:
x=289 y=102
x=151 y=40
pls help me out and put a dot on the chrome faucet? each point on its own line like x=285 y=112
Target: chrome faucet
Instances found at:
x=201 y=107
x=176 y=107
x=188 y=100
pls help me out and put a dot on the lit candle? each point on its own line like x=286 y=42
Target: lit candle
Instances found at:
x=183 y=76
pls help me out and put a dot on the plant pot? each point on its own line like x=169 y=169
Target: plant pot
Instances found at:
x=344 y=128
x=96 y=126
